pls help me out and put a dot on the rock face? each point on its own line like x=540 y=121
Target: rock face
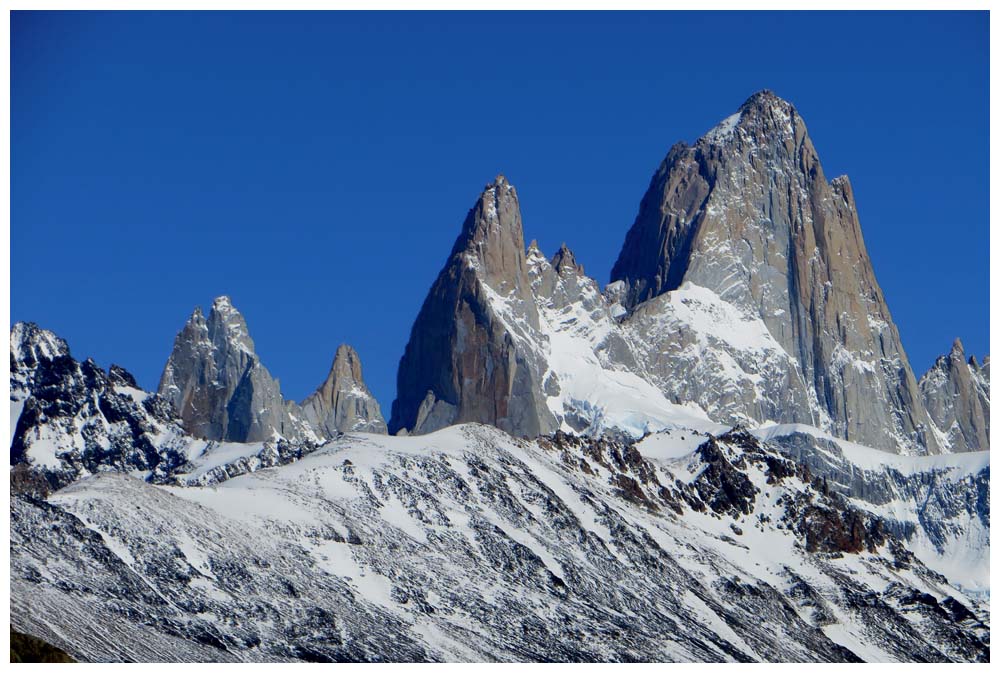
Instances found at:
x=221 y=391
x=956 y=393
x=218 y=386
x=343 y=403
x=748 y=214
x=743 y=294
x=70 y=419
x=474 y=350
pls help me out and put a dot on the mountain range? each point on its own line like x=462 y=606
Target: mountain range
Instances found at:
x=722 y=454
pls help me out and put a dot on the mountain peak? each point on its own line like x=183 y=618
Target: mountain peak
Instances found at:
x=499 y=181
x=343 y=402
x=216 y=383
x=766 y=99
x=29 y=342
x=346 y=362
x=749 y=215
x=465 y=358
x=565 y=259
x=492 y=238
x=223 y=304
x=227 y=324
x=765 y=115
x=955 y=392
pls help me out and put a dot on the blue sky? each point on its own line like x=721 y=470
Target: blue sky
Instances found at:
x=317 y=167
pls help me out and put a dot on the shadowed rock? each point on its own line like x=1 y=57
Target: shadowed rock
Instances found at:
x=474 y=352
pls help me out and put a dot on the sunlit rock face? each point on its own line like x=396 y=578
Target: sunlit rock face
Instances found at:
x=747 y=213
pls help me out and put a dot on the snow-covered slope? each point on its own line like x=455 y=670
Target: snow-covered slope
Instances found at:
x=467 y=544
x=938 y=505
x=133 y=541
x=698 y=347
x=591 y=383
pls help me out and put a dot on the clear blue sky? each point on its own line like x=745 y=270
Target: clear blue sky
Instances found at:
x=317 y=167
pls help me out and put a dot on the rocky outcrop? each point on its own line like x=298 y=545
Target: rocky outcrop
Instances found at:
x=956 y=393
x=747 y=213
x=70 y=418
x=31 y=349
x=938 y=505
x=343 y=403
x=218 y=386
x=475 y=350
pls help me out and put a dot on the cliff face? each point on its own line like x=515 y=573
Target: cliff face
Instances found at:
x=219 y=388
x=343 y=403
x=217 y=384
x=747 y=213
x=956 y=393
x=474 y=350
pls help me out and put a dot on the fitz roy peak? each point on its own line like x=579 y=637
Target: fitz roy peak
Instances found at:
x=743 y=293
x=722 y=455
x=747 y=213
x=221 y=391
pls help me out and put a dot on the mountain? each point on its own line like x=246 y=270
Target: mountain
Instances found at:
x=664 y=469
x=217 y=384
x=956 y=393
x=343 y=403
x=473 y=350
x=743 y=294
x=470 y=545
x=219 y=388
x=70 y=419
x=785 y=544
x=747 y=214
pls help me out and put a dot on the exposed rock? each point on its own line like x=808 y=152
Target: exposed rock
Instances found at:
x=748 y=214
x=343 y=403
x=956 y=393
x=218 y=386
x=72 y=419
x=474 y=350
x=941 y=506
x=477 y=546
x=723 y=485
x=30 y=347
x=120 y=377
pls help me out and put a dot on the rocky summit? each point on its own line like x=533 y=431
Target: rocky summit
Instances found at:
x=472 y=353
x=720 y=455
x=956 y=393
x=743 y=293
x=343 y=403
x=220 y=390
x=217 y=384
x=748 y=214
